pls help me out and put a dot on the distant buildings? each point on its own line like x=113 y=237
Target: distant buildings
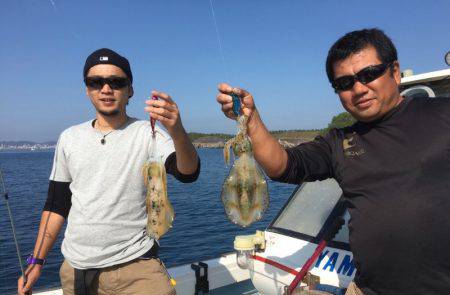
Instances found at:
x=26 y=145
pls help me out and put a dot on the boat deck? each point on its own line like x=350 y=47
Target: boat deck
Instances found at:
x=241 y=288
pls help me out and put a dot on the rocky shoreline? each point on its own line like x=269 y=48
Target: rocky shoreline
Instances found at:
x=287 y=138
x=216 y=143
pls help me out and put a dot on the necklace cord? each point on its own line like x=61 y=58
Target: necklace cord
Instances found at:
x=103 y=141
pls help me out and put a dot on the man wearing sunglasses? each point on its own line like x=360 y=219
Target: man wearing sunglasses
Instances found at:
x=393 y=166
x=97 y=185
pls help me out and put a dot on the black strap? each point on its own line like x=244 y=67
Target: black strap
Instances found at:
x=84 y=279
x=152 y=253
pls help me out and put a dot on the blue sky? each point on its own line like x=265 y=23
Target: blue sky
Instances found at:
x=275 y=49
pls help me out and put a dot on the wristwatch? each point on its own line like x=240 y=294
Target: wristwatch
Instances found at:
x=33 y=260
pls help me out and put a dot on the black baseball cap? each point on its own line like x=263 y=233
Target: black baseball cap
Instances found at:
x=107 y=56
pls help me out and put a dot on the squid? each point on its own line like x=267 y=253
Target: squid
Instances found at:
x=244 y=194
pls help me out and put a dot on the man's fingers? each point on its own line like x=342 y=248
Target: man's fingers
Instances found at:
x=228 y=111
x=224 y=88
x=162 y=112
x=227 y=104
x=162 y=104
x=162 y=119
x=246 y=97
x=227 y=107
x=227 y=89
x=162 y=95
x=24 y=290
x=19 y=286
x=224 y=98
x=241 y=92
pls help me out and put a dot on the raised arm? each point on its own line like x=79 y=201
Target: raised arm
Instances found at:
x=166 y=111
x=267 y=151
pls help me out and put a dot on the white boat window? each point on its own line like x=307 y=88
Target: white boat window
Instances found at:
x=418 y=91
x=310 y=207
x=441 y=88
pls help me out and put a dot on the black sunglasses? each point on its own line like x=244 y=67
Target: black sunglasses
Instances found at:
x=364 y=76
x=113 y=82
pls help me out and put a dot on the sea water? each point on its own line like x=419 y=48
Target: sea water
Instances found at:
x=200 y=231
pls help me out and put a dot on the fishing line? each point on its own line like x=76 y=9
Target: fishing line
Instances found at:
x=236 y=100
x=5 y=195
x=53 y=5
x=219 y=41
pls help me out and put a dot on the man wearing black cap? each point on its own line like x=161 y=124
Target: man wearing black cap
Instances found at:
x=97 y=178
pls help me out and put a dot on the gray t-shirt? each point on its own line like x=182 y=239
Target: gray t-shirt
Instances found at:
x=107 y=221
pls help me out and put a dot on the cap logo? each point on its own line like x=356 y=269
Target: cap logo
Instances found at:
x=103 y=58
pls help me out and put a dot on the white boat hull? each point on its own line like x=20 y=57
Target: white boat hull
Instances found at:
x=334 y=266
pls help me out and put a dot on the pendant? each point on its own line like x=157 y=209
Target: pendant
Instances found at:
x=103 y=141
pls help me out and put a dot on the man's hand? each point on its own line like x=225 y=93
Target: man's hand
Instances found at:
x=267 y=151
x=224 y=98
x=33 y=272
x=165 y=110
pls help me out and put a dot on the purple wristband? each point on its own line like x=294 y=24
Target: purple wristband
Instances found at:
x=33 y=260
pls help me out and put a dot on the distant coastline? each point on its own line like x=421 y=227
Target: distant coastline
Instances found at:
x=287 y=138
x=26 y=145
